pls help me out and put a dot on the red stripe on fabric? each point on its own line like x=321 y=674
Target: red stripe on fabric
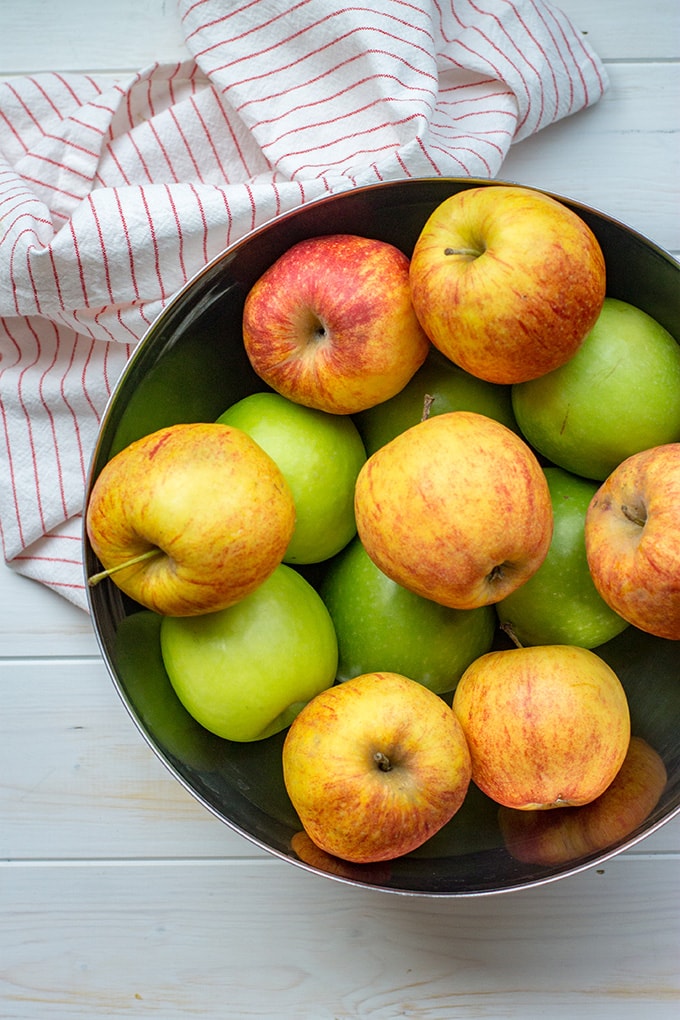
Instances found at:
x=347 y=157
x=128 y=242
x=27 y=417
x=83 y=382
x=154 y=240
x=522 y=54
x=64 y=167
x=429 y=158
x=315 y=53
x=46 y=96
x=225 y=17
x=209 y=139
x=145 y=168
x=102 y=246
x=187 y=145
x=330 y=72
x=69 y=88
x=40 y=183
x=9 y=127
x=204 y=223
x=79 y=262
x=114 y=159
x=180 y=235
x=13 y=275
x=46 y=559
x=29 y=113
x=20 y=216
x=229 y=127
x=10 y=458
x=50 y=417
x=162 y=149
x=584 y=84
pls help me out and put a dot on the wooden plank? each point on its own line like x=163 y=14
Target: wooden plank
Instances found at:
x=263 y=940
x=38 y=622
x=89 y=35
x=626 y=30
x=79 y=780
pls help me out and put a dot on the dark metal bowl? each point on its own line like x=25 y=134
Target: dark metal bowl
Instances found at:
x=189 y=367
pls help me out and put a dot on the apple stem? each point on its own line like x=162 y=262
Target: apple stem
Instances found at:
x=507 y=627
x=382 y=761
x=427 y=404
x=634 y=515
x=462 y=251
x=147 y=555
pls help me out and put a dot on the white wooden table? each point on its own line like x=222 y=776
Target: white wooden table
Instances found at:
x=120 y=896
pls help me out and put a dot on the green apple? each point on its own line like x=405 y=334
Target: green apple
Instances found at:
x=619 y=394
x=382 y=626
x=446 y=387
x=245 y=672
x=320 y=455
x=144 y=680
x=559 y=604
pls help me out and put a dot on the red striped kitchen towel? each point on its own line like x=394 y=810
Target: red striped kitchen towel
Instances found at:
x=114 y=192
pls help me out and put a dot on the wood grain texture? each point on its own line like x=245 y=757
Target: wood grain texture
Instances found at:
x=260 y=940
x=121 y=896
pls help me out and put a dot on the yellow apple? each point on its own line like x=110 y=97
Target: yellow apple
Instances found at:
x=506 y=281
x=556 y=837
x=456 y=509
x=632 y=534
x=330 y=323
x=190 y=519
x=547 y=726
x=375 y=766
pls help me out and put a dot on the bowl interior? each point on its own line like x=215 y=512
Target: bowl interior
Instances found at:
x=190 y=367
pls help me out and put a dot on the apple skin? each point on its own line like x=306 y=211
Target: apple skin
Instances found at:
x=560 y=604
x=456 y=509
x=330 y=323
x=320 y=456
x=375 y=766
x=382 y=626
x=506 y=281
x=551 y=838
x=372 y=873
x=445 y=387
x=245 y=672
x=547 y=726
x=208 y=499
x=619 y=394
x=632 y=537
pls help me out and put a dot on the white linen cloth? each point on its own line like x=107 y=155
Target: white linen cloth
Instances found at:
x=114 y=192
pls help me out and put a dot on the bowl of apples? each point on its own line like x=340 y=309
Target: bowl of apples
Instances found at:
x=382 y=537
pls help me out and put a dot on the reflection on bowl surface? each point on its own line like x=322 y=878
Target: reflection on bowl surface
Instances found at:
x=190 y=367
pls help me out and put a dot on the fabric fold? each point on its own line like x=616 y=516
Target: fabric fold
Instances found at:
x=113 y=193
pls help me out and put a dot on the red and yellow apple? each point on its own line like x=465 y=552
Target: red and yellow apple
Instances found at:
x=556 y=837
x=375 y=766
x=190 y=519
x=330 y=323
x=456 y=509
x=547 y=726
x=506 y=281
x=632 y=534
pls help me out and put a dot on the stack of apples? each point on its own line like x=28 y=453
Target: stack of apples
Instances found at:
x=461 y=476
